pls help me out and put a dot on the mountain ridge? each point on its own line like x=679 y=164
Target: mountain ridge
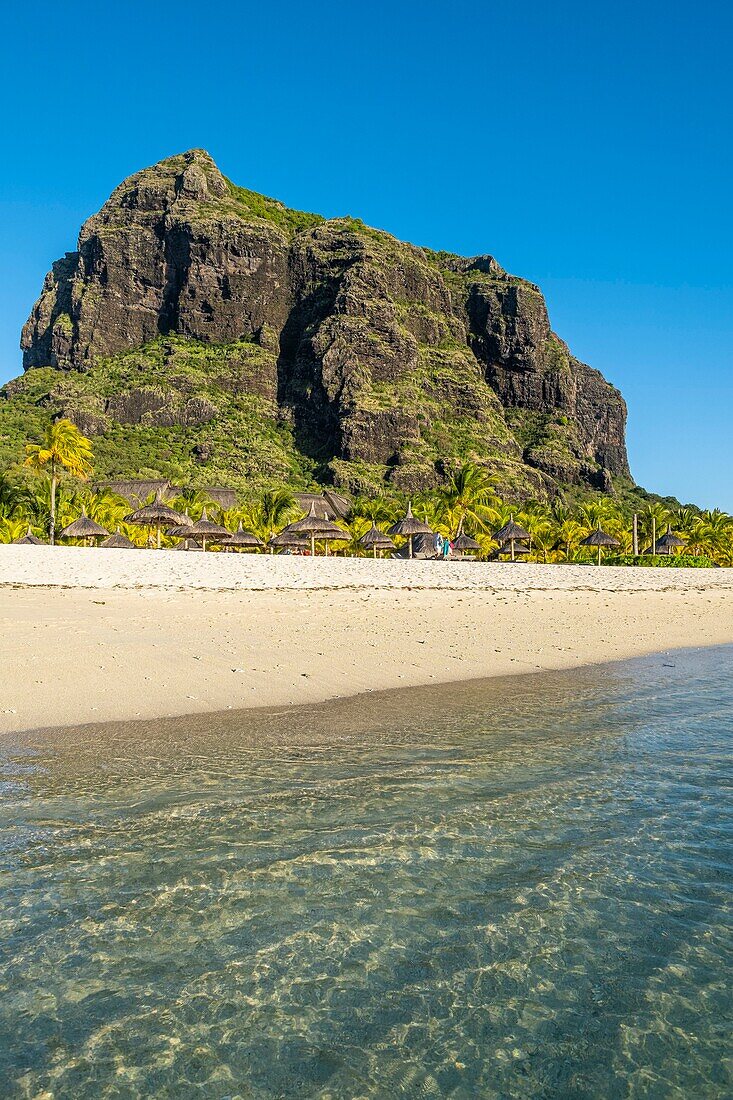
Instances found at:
x=380 y=361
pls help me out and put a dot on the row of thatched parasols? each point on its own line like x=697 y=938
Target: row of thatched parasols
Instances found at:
x=310 y=529
x=516 y=538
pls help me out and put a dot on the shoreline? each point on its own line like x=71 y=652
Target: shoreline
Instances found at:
x=214 y=721
x=139 y=635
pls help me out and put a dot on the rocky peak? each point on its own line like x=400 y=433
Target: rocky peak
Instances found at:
x=383 y=355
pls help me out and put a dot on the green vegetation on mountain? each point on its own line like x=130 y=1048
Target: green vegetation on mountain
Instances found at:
x=206 y=333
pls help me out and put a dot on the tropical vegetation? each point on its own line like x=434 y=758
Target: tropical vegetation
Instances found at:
x=54 y=489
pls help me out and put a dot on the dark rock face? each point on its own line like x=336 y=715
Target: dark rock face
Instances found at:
x=369 y=338
x=160 y=257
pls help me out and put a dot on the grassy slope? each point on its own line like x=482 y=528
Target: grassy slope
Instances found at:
x=246 y=440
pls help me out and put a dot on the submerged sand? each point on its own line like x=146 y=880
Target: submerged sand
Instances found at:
x=102 y=635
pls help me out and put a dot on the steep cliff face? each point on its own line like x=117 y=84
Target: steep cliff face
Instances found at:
x=384 y=361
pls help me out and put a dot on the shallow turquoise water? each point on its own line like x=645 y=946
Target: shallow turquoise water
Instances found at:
x=509 y=889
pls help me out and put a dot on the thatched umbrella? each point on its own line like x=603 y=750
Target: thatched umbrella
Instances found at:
x=183 y=529
x=182 y=532
x=600 y=539
x=118 y=541
x=288 y=540
x=409 y=526
x=334 y=535
x=322 y=529
x=157 y=514
x=464 y=542
x=28 y=539
x=204 y=530
x=375 y=540
x=667 y=543
x=243 y=538
x=84 y=528
x=511 y=533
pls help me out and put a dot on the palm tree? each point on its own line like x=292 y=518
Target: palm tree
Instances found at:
x=712 y=534
x=15 y=500
x=544 y=535
x=655 y=517
x=379 y=509
x=569 y=534
x=597 y=513
x=470 y=495
x=63 y=448
x=270 y=513
x=193 y=501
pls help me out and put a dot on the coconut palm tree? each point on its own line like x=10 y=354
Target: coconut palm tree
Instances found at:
x=12 y=528
x=544 y=536
x=63 y=448
x=270 y=513
x=193 y=501
x=597 y=513
x=15 y=500
x=654 y=518
x=712 y=533
x=470 y=496
x=379 y=509
x=569 y=534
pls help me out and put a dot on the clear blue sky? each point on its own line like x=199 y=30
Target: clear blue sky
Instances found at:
x=586 y=146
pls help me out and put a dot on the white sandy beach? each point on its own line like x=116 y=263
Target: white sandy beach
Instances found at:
x=97 y=635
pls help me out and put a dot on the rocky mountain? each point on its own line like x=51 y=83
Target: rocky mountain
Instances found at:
x=205 y=331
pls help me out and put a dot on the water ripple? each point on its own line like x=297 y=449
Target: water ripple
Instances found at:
x=511 y=889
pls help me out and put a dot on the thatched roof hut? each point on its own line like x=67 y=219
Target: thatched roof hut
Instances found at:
x=118 y=541
x=667 y=543
x=600 y=539
x=420 y=547
x=287 y=540
x=140 y=490
x=327 y=505
x=183 y=529
x=28 y=539
x=376 y=540
x=409 y=525
x=157 y=514
x=84 y=528
x=223 y=498
x=137 y=491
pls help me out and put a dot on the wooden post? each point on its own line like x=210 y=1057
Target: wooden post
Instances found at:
x=635 y=537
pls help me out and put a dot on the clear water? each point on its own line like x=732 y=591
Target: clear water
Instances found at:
x=507 y=889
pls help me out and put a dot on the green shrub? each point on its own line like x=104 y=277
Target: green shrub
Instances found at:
x=665 y=561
